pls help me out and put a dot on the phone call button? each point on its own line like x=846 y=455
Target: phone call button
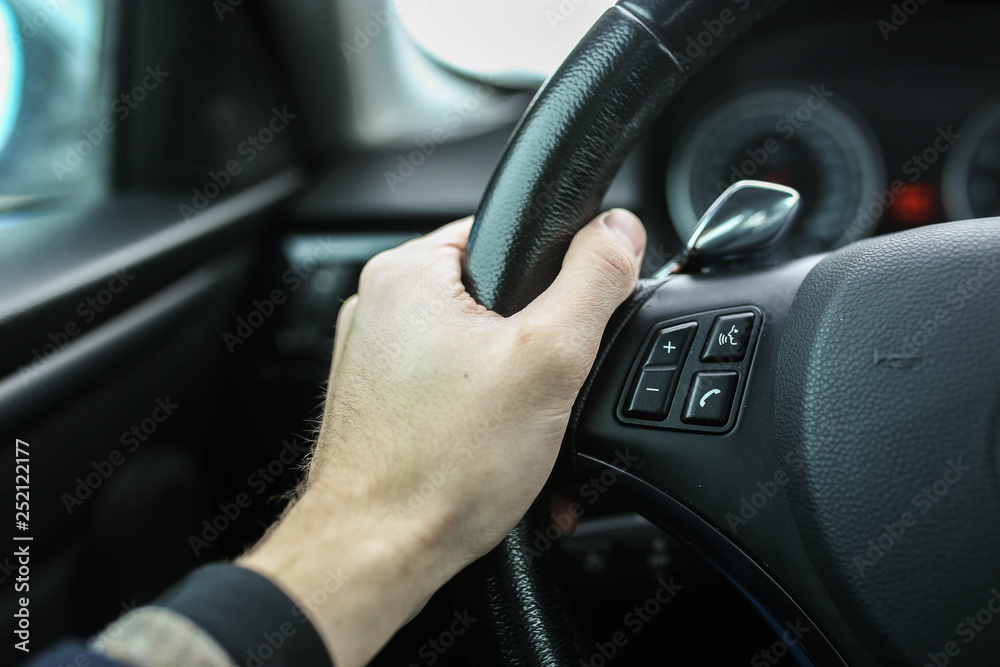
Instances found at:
x=710 y=398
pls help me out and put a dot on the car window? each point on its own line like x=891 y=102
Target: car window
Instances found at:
x=57 y=121
x=511 y=42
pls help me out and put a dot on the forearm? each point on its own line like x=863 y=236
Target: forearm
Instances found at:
x=365 y=570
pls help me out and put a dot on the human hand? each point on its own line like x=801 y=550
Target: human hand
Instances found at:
x=441 y=425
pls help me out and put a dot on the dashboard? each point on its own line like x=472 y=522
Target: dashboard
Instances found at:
x=882 y=121
x=881 y=127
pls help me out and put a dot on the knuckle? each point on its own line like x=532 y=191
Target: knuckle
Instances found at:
x=614 y=264
x=554 y=351
x=347 y=308
x=378 y=267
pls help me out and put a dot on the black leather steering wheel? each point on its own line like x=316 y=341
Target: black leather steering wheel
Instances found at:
x=853 y=486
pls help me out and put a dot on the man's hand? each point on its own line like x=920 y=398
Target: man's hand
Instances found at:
x=442 y=423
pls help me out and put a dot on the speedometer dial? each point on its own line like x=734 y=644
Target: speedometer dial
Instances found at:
x=802 y=137
x=971 y=186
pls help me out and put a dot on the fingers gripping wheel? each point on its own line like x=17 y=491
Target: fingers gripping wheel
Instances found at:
x=548 y=185
x=578 y=131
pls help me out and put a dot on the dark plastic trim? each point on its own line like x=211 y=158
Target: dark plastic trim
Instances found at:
x=50 y=264
x=736 y=565
x=28 y=394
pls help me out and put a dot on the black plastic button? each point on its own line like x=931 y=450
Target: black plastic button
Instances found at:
x=729 y=338
x=671 y=345
x=710 y=399
x=652 y=394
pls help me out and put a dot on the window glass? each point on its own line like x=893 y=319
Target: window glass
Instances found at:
x=511 y=42
x=56 y=123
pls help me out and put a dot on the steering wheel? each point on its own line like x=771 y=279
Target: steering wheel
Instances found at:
x=825 y=432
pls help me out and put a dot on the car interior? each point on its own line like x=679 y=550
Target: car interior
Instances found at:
x=786 y=453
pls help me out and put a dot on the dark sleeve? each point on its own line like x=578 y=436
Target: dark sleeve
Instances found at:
x=216 y=610
x=250 y=617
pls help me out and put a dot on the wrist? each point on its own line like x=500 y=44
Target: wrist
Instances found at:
x=358 y=571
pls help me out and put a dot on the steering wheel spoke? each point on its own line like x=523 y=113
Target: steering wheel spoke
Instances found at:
x=720 y=489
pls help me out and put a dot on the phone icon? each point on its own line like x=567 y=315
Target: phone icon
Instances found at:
x=710 y=392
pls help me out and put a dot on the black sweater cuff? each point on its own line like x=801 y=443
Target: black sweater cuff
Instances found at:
x=249 y=616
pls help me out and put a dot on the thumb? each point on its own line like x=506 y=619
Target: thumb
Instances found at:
x=599 y=272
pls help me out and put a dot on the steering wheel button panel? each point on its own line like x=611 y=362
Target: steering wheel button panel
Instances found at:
x=710 y=398
x=669 y=358
x=671 y=345
x=729 y=338
x=652 y=394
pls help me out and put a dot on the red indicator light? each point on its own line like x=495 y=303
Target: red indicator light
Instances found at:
x=917 y=205
x=781 y=176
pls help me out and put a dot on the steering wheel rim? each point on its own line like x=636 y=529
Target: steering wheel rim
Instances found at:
x=549 y=183
x=577 y=132
x=546 y=187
